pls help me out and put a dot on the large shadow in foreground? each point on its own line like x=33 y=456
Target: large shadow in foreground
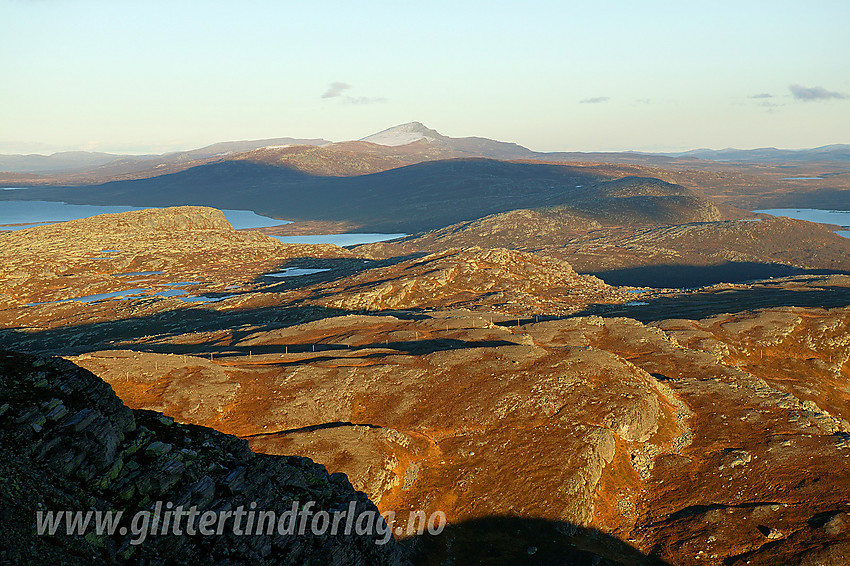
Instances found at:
x=515 y=541
x=688 y=276
x=706 y=303
x=124 y=333
x=120 y=334
x=164 y=325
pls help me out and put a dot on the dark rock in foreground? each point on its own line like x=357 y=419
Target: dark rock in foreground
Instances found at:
x=67 y=443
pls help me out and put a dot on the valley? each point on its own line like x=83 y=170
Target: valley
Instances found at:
x=577 y=361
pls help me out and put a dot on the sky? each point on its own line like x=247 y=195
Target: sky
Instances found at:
x=127 y=76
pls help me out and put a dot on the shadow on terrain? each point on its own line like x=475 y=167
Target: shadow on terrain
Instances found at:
x=152 y=333
x=409 y=347
x=512 y=541
x=826 y=198
x=685 y=276
x=693 y=510
x=705 y=304
x=339 y=268
x=310 y=428
x=412 y=198
x=160 y=327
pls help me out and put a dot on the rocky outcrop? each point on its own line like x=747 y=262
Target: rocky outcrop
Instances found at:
x=509 y=281
x=67 y=443
x=178 y=218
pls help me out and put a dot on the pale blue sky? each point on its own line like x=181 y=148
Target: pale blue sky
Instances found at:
x=132 y=76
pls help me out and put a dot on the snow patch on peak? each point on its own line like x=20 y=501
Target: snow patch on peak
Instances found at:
x=403 y=135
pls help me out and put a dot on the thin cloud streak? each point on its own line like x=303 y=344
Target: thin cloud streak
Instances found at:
x=808 y=94
x=595 y=100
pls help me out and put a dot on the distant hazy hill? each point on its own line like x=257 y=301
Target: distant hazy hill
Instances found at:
x=413 y=143
x=55 y=163
x=482 y=147
x=78 y=161
x=415 y=132
x=838 y=152
x=223 y=148
x=404 y=144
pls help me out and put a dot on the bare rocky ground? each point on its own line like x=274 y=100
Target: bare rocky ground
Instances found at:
x=114 y=252
x=478 y=382
x=508 y=280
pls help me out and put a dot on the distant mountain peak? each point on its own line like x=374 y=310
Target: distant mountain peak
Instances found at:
x=418 y=126
x=404 y=134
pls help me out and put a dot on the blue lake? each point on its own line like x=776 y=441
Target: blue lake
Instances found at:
x=839 y=217
x=126 y=293
x=36 y=212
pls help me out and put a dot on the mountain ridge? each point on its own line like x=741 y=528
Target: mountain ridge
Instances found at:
x=411 y=198
x=410 y=133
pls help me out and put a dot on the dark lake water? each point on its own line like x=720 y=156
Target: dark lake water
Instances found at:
x=296 y=271
x=339 y=239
